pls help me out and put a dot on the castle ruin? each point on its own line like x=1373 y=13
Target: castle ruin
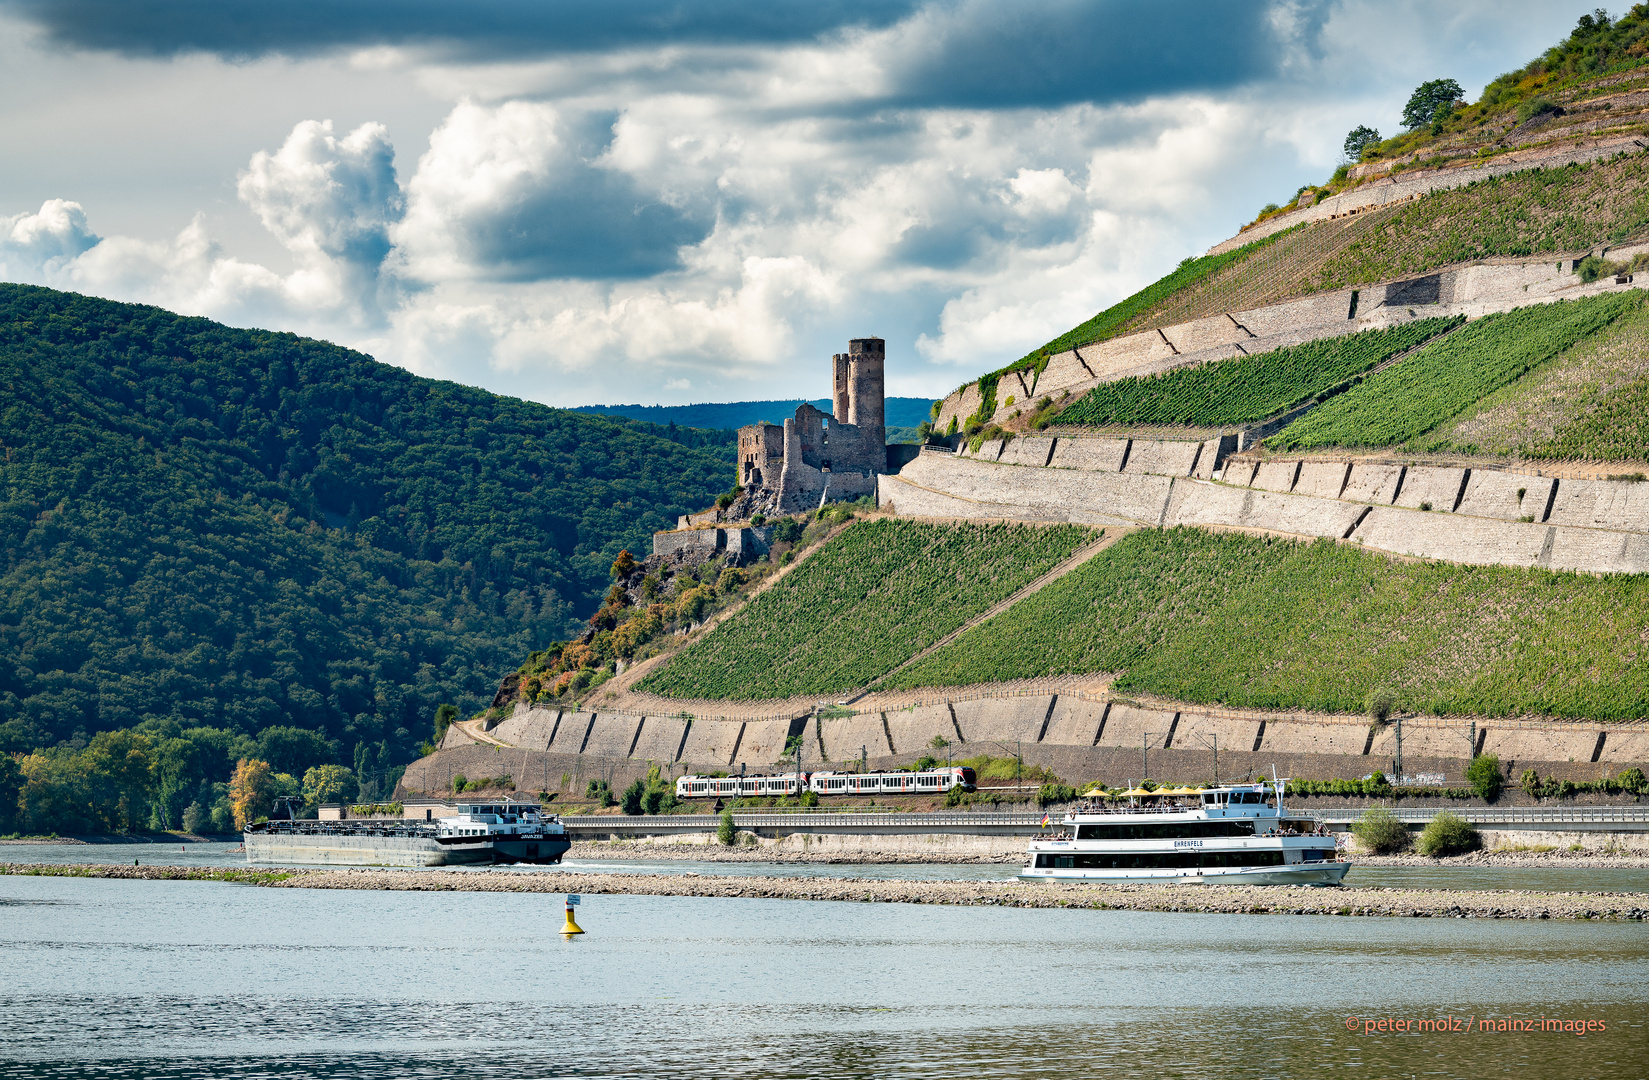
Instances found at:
x=815 y=456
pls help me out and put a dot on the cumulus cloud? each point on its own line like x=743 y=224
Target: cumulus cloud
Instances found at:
x=331 y=203
x=662 y=201
x=32 y=246
x=508 y=193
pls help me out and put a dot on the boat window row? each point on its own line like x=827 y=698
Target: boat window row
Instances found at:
x=1163 y=830
x=1238 y=798
x=1157 y=860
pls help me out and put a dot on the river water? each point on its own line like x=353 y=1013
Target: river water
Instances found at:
x=114 y=979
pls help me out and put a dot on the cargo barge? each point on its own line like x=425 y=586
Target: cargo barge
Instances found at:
x=478 y=834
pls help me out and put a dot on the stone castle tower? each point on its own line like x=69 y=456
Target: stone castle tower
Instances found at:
x=859 y=398
x=815 y=457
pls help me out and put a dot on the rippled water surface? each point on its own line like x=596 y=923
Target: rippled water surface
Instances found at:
x=116 y=979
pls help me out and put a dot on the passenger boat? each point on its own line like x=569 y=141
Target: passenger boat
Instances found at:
x=1236 y=835
x=503 y=831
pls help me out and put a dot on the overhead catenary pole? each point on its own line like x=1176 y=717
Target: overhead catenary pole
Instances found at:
x=1145 y=755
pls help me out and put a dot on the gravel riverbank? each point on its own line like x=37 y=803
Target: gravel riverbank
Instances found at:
x=642 y=851
x=1219 y=899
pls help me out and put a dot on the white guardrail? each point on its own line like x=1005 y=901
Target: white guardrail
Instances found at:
x=1481 y=815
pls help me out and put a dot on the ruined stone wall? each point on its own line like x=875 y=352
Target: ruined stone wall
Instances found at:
x=693 y=546
x=761 y=453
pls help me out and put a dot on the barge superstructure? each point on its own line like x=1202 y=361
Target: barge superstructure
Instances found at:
x=1240 y=834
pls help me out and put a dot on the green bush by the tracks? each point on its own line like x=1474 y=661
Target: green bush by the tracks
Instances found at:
x=1380 y=831
x=1247 y=388
x=1408 y=399
x=1274 y=624
x=877 y=594
x=1448 y=834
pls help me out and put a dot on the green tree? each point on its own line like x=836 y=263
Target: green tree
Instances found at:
x=327 y=784
x=1483 y=774
x=11 y=789
x=623 y=566
x=1359 y=141
x=444 y=716
x=55 y=796
x=1427 y=99
x=119 y=767
x=726 y=831
x=630 y=801
x=177 y=775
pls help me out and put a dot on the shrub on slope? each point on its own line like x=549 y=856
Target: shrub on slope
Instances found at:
x=1275 y=624
x=244 y=529
x=1437 y=383
x=1247 y=388
x=862 y=605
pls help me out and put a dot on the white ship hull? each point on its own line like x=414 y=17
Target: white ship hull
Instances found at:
x=1295 y=874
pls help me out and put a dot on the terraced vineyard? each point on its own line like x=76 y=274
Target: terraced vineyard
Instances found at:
x=1112 y=321
x=1520 y=214
x=1409 y=399
x=862 y=605
x=1247 y=388
x=1592 y=403
x=1265 y=623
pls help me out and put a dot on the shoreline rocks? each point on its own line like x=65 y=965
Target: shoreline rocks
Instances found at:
x=1206 y=899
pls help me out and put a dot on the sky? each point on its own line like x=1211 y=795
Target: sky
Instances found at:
x=661 y=202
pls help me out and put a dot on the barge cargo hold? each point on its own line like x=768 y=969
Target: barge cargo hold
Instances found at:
x=479 y=834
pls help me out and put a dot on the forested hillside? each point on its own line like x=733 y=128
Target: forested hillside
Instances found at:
x=245 y=531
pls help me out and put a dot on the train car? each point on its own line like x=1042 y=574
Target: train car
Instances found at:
x=926 y=782
x=733 y=787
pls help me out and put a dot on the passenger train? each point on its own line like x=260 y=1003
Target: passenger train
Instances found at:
x=925 y=782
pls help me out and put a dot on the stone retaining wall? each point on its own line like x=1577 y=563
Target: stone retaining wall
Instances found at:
x=1079 y=739
x=1372 y=504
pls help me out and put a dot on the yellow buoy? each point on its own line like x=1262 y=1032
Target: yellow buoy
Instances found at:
x=572 y=926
